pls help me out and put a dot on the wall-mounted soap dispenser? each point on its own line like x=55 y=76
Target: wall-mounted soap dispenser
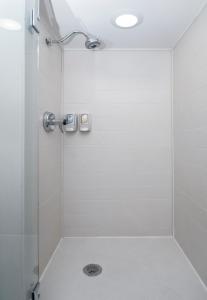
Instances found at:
x=84 y=122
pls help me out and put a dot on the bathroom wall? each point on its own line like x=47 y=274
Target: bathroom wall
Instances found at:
x=49 y=145
x=118 y=177
x=190 y=122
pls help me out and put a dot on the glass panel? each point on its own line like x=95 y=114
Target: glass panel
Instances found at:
x=18 y=155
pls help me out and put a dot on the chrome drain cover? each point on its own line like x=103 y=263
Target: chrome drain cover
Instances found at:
x=92 y=270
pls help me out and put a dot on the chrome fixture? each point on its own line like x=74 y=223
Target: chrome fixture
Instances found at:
x=36 y=292
x=90 y=43
x=35 y=21
x=92 y=270
x=70 y=123
x=50 y=122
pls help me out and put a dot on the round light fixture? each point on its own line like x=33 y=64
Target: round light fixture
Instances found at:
x=10 y=24
x=126 y=20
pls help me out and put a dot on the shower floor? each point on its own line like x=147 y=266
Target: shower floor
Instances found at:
x=133 y=268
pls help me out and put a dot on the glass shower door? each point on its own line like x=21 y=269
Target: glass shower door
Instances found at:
x=18 y=151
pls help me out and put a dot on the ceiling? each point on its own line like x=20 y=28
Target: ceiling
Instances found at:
x=164 y=21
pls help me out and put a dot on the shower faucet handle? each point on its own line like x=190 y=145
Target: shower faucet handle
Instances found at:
x=50 y=121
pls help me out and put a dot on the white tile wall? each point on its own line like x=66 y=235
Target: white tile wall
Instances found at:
x=117 y=178
x=190 y=111
x=49 y=149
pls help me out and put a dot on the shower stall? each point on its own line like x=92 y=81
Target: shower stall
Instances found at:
x=103 y=150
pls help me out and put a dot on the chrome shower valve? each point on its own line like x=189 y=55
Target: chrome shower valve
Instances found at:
x=50 y=122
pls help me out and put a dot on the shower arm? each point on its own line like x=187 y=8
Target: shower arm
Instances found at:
x=65 y=38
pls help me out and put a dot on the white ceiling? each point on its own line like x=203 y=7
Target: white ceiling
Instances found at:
x=164 y=21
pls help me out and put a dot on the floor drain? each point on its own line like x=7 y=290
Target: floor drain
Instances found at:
x=92 y=270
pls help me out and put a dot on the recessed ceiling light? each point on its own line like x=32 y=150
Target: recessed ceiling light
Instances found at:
x=10 y=24
x=126 y=20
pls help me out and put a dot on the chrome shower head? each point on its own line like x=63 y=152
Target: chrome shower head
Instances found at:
x=90 y=43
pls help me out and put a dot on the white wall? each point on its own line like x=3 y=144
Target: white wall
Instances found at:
x=117 y=178
x=190 y=121
x=49 y=147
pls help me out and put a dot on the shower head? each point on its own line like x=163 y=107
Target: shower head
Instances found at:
x=90 y=43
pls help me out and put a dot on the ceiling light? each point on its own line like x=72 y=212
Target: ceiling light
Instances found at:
x=10 y=24
x=126 y=20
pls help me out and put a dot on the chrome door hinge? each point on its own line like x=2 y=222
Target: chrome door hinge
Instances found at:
x=36 y=292
x=35 y=20
x=35 y=17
